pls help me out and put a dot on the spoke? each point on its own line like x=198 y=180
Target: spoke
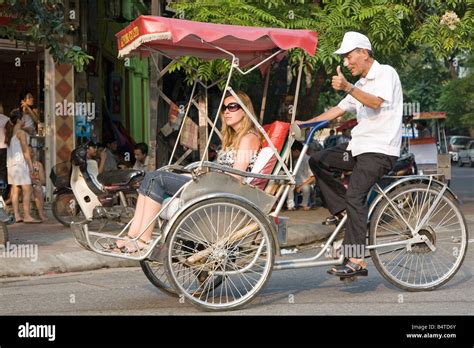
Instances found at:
x=235 y=286
x=192 y=235
x=405 y=256
x=212 y=224
x=199 y=230
x=401 y=251
x=434 y=267
x=437 y=210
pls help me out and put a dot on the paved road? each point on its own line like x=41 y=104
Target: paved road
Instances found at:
x=290 y=292
x=293 y=292
x=463 y=183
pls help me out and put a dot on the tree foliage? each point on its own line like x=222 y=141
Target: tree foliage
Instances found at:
x=412 y=35
x=41 y=22
x=457 y=99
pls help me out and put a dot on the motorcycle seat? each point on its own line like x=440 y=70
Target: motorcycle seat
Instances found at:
x=119 y=177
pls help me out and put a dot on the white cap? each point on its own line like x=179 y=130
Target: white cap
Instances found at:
x=353 y=40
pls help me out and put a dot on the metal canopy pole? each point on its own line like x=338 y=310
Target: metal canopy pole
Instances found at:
x=298 y=84
x=265 y=92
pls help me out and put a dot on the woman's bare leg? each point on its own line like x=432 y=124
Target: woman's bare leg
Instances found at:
x=145 y=211
x=39 y=201
x=26 y=202
x=151 y=209
x=137 y=217
x=15 y=197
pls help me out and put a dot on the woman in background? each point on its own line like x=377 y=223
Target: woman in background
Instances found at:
x=19 y=166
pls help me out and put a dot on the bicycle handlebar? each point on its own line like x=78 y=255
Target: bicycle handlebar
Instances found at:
x=316 y=126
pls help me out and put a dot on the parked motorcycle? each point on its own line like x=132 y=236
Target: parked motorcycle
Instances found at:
x=116 y=195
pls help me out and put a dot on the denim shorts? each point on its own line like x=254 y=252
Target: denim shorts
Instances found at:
x=158 y=185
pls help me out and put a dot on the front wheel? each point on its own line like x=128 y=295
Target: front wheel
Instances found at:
x=419 y=267
x=220 y=253
x=66 y=209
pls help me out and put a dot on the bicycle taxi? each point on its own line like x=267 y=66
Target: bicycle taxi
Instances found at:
x=216 y=240
x=431 y=153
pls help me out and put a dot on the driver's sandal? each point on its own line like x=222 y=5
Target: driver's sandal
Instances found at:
x=350 y=269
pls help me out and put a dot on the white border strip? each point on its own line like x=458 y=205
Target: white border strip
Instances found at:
x=142 y=39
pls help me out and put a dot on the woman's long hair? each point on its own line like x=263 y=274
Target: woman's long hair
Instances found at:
x=15 y=116
x=231 y=138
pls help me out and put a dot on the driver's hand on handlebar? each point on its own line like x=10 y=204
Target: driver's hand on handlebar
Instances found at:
x=299 y=123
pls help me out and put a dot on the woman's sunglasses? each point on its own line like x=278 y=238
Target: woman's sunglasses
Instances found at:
x=232 y=107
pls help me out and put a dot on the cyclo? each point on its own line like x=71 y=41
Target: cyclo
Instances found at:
x=217 y=238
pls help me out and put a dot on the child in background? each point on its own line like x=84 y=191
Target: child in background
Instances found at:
x=38 y=180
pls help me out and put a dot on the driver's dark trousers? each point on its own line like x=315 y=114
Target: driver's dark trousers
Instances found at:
x=367 y=169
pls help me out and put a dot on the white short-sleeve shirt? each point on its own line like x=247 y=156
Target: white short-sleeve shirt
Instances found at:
x=378 y=130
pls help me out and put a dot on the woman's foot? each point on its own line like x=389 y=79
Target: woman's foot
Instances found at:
x=43 y=217
x=306 y=208
x=18 y=219
x=129 y=245
x=136 y=246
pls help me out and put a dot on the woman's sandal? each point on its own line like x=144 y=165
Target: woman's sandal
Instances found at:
x=140 y=243
x=349 y=269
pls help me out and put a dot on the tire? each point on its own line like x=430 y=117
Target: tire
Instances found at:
x=3 y=233
x=156 y=274
x=66 y=209
x=471 y=162
x=460 y=164
x=446 y=229
x=205 y=229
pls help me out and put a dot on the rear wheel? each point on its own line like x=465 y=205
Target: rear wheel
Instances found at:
x=66 y=209
x=156 y=274
x=420 y=267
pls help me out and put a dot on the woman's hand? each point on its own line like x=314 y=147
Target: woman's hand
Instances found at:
x=24 y=106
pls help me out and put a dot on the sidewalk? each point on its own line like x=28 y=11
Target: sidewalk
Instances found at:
x=51 y=247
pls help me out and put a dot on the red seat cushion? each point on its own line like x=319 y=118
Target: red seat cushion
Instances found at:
x=266 y=160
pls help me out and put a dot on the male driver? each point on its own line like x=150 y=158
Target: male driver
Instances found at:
x=375 y=145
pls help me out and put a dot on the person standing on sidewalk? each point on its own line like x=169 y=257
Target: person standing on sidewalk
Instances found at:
x=377 y=100
x=3 y=147
x=19 y=166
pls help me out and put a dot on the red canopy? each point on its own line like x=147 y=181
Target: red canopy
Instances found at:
x=177 y=37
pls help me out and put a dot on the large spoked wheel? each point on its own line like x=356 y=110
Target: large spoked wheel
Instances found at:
x=418 y=268
x=220 y=254
x=156 y=274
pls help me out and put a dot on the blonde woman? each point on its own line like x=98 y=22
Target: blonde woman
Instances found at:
x=240 y=146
